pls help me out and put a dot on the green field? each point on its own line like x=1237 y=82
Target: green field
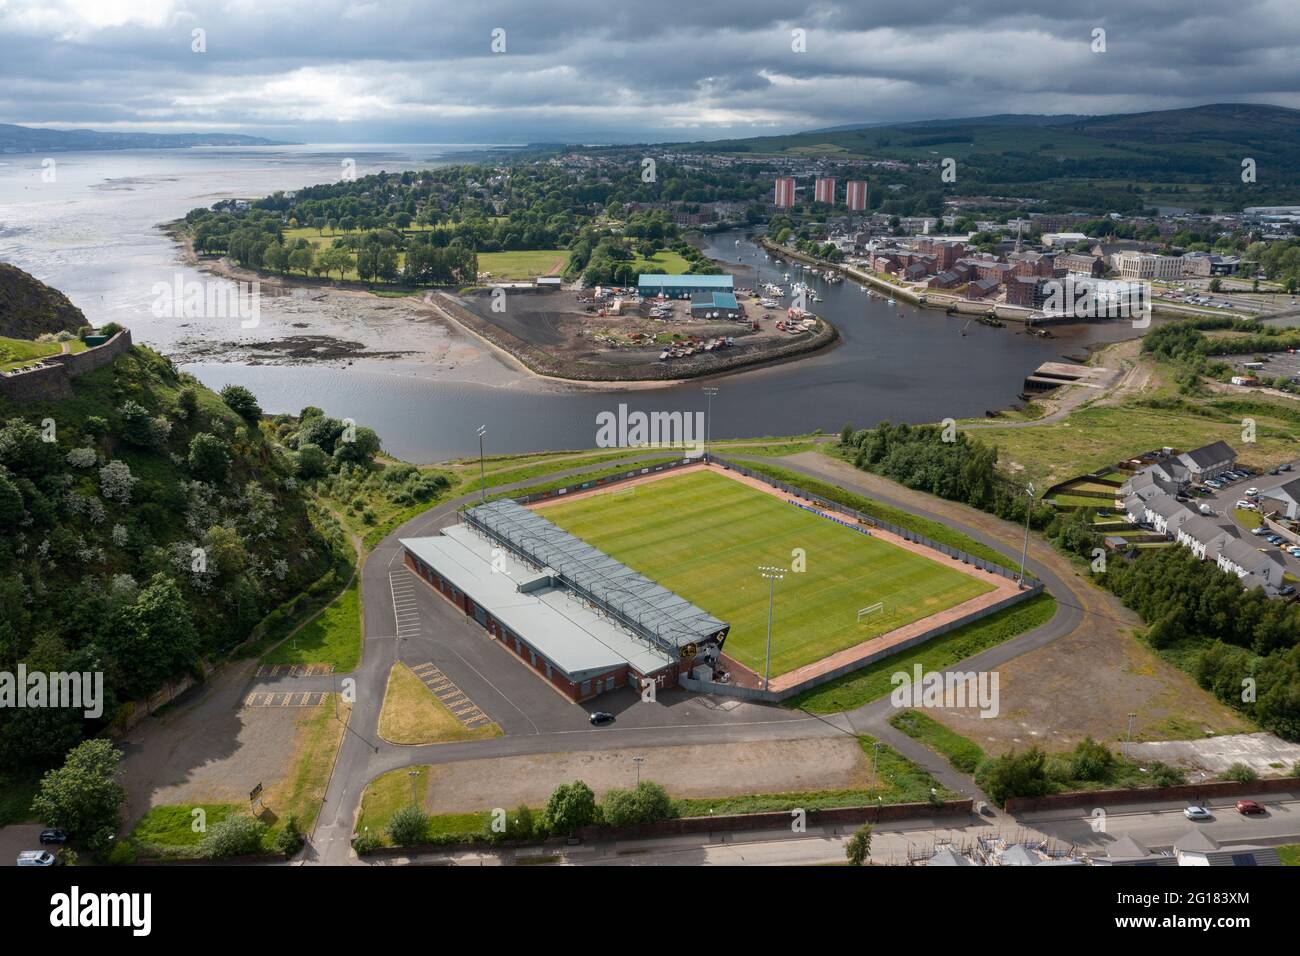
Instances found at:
x=523 y=263
x=704 y=536
x=18 y=352
x=665 y=261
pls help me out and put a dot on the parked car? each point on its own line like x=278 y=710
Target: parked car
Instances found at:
x=1245 y=505
x=1196 y=812
x=54 y=836
x=1286 y=589
x=601 y=717
x=1286 y=467
x=1294 y=552
x=1249 y=807
x=1252 y=492
x=1259 y=532
x=36 y=858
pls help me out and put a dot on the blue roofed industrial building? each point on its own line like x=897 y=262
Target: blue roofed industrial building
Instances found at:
x=723 y=303
x=650 y=285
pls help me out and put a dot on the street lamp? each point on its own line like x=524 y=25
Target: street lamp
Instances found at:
x=414 y=775
x=1029 y=510
x=709 y=392
x=875 y=752
x=638 y=761
x=482 y=475
x=773 y=575
x=1130 y=727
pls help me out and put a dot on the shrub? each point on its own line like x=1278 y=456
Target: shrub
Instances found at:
x=1240 y=773
x=408 y=825
x=366 y=842
x=237 y=835
x=1021 y=774
x=647 y=803
x=289 y=840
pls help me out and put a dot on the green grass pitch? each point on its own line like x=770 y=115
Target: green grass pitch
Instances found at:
x=704 y=536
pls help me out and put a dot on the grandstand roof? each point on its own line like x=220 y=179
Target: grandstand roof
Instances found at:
x=649 y=608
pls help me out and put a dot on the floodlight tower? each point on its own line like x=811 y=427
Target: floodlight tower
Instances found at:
x=772 y=575
x=482 y=475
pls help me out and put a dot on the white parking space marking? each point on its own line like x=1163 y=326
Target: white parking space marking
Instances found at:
x=406 y=613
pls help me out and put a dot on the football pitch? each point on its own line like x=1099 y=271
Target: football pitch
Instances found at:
x=704 y=536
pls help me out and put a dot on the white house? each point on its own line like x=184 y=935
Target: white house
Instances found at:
x=1242 y=559
x=1197 y=848
x=1203 y=537
x=1287 y=497
x=1167 y=514
x=1208 y=461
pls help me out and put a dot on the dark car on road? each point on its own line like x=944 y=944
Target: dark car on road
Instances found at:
x=602 y=717
x=1248 y=807
x=54 y=836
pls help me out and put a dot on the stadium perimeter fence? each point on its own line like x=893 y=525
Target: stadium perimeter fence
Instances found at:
x=871 y=521
x=824 y=504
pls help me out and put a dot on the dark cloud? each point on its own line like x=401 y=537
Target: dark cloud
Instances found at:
x=349 y=69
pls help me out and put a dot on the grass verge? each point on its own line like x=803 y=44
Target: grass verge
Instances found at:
x=412 y=715
x=860 y=687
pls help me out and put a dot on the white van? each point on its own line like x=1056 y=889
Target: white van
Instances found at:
x=36 y=858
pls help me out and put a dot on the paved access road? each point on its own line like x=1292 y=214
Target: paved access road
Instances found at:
x=418 y=626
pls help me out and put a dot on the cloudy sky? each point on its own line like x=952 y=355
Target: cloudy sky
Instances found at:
x=583 y=70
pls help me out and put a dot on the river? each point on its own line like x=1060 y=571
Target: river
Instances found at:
x=93 y=234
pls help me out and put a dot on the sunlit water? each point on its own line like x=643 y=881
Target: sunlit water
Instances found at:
x=93 y=233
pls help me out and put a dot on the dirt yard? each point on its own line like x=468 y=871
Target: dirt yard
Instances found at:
x=211 y=751
x=1087 y=684
x=702 y=770
x=569 y=325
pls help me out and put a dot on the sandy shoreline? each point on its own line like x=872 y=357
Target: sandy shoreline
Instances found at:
x=426 y=304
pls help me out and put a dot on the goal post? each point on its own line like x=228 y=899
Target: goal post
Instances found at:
x=871 y=609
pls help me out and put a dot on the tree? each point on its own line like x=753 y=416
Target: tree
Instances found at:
x=153 y=638
x=312 y=462
x=571 y=805
x=647 y=803
x=1021 y=774
x=409 y=825
x=138 y=428
x=858 y=848
x=83 y=796
x=242 y=402
x=208 y=459
x=364 y=446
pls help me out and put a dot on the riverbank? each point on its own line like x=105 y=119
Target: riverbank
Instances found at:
x=453 y=311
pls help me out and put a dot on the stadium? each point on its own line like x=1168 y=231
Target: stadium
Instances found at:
x=655 y=578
